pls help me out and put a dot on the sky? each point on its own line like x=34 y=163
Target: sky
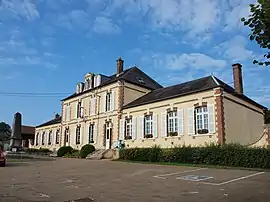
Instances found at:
x=46 y=46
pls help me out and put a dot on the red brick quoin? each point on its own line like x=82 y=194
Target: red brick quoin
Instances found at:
x=220 y=116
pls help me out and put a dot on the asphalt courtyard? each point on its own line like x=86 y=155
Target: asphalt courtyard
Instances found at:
x=102 y=180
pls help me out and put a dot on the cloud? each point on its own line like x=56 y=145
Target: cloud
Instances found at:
x=184 y=60
x=17 y=9
x=235 y=49
x=104 y=25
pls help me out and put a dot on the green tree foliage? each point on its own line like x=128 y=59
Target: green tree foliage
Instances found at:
x=259 y=23
x=5 y=131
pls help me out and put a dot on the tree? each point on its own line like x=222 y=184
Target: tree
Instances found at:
x=5 y=131
x=259 y=23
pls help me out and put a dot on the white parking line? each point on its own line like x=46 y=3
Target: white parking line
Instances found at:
x=233 y=180
x=186 y=171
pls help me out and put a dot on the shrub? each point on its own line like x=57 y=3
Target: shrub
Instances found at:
x=227 y=155
x=62 y=151
x=74 y=154
x=86 y=149
x=43 y=151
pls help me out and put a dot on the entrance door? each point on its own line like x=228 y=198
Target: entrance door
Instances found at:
x=108 y=135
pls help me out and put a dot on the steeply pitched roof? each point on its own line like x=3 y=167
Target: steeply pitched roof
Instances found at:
x=51 y=122
x=194 y=86
x=28 y=130
x=132 y=75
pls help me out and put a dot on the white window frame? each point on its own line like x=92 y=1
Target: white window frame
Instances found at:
x=78 y=135
x=172 y=122
x=128 y=128
x=43 y=138
x=57 y=136
x=202 y=119
x=91 y=134
x=79 y=108
x=66 y=135
x=37 y=139
x=148 y=126
x=108 y=101
x=50 y=138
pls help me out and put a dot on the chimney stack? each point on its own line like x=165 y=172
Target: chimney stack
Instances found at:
x=120 y=66
x=237 y=78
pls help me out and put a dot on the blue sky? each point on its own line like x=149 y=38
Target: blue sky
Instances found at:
x=47 y=46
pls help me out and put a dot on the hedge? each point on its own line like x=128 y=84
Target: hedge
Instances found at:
x=226 y=155
x=86 y=149
x=43 y=151
x=62 y=151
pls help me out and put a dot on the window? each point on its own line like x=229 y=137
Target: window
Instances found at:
x=79 y=109
x=43 y=138
x=92 y=109
x=91 y=133
x=37 y=139
x=50 y=138
x=172 y=123
x=128 y=129
x=78 y=135
x=57 y=136
x=66 y=135
x=148 y=126
x=201 y=114
x=108 y=101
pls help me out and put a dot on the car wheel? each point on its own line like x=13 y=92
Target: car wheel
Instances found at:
x=3 y=164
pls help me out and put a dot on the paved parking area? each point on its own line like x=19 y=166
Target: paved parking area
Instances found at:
x=71 y=179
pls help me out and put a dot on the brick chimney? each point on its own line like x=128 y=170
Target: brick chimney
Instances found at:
x=119 y=66
x=237 y=78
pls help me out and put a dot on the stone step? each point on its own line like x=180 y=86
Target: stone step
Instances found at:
x=98 y=154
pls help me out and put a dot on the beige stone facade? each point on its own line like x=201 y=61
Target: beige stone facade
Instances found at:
x=141 y=113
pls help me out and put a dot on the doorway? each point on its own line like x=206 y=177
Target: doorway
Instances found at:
x=108 y=134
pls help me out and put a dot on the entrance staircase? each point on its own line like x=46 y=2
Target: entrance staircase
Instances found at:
x=97 y=154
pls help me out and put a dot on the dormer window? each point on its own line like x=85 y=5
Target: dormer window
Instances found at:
x=140 y=80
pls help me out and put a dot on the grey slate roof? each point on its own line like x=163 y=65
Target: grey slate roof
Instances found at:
x=190 y=87
x=132 y=75
x=51 y=122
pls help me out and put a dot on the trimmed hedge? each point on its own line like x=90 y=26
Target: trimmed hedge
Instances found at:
x=43 y=151
x=86 y=149
x=62 y=151
x=226 y=155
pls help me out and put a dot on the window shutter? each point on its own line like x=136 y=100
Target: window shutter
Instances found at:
x=141 y=127
x=113 y=100
x=191 y=129
x=104 y=102
x=93 y=102
x=82 y=134
x=87 y=133
x=122 y=129
x=211 y=118
x=95 y=134
x=68 y=112
x=134 y=126
x=53 y=135
x=75 y=134
x=164 y=124
x=180 y=122
x=81 y=110
x=155 y=130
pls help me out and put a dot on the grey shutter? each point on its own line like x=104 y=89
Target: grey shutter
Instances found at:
x=180 y=114
x=134 y=126
x=164 y=124
x=112 y=100
x=122 y=129
x=155 y=122
x=191 y=124
x=211 y=118
x=141 y=127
